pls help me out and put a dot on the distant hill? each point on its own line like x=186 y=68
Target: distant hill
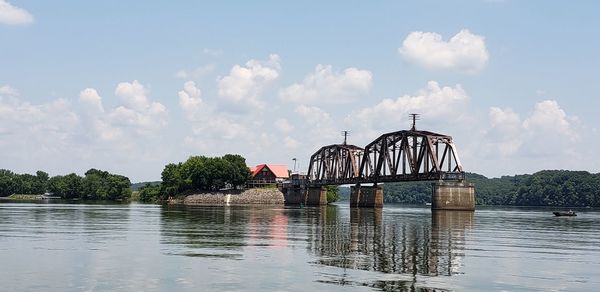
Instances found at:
x=139 y=185
x=543 y=188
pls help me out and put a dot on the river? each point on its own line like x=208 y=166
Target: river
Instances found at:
x=136 y=247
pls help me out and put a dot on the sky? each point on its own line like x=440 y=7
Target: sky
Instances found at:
x=130 y=86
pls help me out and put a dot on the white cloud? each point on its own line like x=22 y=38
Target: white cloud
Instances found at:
x=548 y=115
x=12 y=15
x=324 y=85
x=465 y=52
x=90 y=97
x=44 y=136
x=313 y=115
x=245 y=83
x=189 y=99
x=505 y=131
x=133 y=94
x=434 y=102
x=318 y=125
x=545 y=132
x=7 y=91
x=284 y=125
x=137 y=113
x=290 y=142
x=196 y=73
x=34 y=131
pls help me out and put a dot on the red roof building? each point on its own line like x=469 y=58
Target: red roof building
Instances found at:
x=269 y=173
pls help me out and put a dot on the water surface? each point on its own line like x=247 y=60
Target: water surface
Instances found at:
x=77 y=247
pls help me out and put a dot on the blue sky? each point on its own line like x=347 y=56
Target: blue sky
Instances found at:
x=129 y=86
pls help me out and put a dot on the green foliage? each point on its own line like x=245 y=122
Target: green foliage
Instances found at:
x=204 y=173
x=101 y=185
x=27 y=184
x=333 y=193
x=150 y=193
x=137 y=186
x=96 y=185
x=407 y=192
x=544 y=188
x=67 y=187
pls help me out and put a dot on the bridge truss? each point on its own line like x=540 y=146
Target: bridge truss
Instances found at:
x=397 y=156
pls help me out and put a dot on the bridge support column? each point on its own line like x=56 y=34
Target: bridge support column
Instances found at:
x=366 y=196
x=453 y=196
x=316 y=196
x=294 y=196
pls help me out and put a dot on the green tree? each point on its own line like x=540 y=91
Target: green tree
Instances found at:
x=333 y=193
x=7 y=183
x=150 y=193
x=173 y=181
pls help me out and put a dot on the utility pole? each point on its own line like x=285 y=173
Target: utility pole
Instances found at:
x=345 y=134
x=415 y=118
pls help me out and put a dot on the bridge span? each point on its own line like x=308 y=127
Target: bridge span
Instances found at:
x=401 y=156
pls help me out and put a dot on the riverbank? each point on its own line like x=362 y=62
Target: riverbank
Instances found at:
x=257 y=196
x=28 y=197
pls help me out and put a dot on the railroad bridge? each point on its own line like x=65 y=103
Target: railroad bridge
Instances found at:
x=401 y=156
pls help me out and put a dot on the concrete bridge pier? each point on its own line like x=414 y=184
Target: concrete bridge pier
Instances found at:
x=366 y=196
x=316 y=196
x=295 y=195
x=453 y=196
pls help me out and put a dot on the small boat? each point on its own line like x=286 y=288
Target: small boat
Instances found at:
x=570 y=213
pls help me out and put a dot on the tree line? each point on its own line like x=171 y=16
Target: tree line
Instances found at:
x=94 y=185
x=543 y=188
x=198 y=173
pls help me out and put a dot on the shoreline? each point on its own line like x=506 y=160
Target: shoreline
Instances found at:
x=256 y=196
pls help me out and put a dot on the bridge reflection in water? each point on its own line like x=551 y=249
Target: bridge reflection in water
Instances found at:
x=407 y=248
x=395 y=243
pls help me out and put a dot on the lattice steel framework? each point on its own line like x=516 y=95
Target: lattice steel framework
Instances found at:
x=335 y=164
x=398 y=156
x=411 y=156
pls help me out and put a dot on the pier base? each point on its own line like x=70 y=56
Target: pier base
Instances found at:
x=294 y=196
x=366 y=196
x=453 y=196
x=316 y=196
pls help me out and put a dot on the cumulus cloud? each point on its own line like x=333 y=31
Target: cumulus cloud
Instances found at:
x=317 y=123
x=189 y=99
x=546 y=131
x=92 y=99
x=324 y=85
x=548 y=115
x=138 y=113
x=12 y=15
x=33 y=131
x=434 y=101
x=244 y=83
x=465 y=52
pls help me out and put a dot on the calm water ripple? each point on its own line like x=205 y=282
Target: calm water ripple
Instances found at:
x=77 y=247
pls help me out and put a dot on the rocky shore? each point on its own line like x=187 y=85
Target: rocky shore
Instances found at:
x=260 y=196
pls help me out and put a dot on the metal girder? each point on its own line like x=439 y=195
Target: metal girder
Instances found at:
x=335 y=163
x=410 y=155
x=397 y=156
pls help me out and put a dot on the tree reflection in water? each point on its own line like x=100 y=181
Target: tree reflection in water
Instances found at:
x=393 y=243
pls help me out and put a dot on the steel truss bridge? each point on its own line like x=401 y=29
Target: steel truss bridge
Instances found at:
x=407 y=155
